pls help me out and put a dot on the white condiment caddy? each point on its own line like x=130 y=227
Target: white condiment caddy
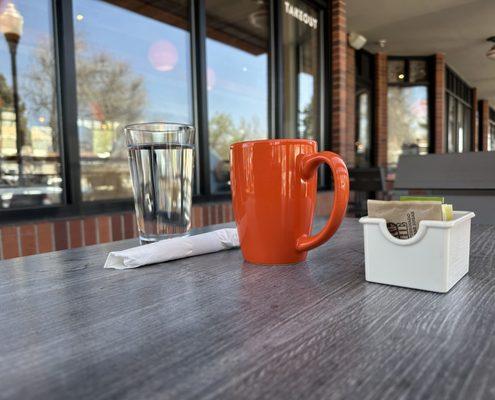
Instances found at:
x=434 y=259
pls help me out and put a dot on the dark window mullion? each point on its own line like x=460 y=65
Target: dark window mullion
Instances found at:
x=323 y=81
x=276 y=76
x=67 y=101
x=198 y=60
x=323 y=134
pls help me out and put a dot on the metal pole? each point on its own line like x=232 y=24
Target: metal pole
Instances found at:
x=13 y=40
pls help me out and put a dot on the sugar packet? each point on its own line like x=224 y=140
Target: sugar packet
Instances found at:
x=403 y=217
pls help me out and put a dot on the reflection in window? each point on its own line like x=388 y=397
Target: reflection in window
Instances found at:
x=133 y=65
x=301 y=61
x=491 y=137
x=30 y=168
x=459 y=98
x=451 y=124
x=237 y=79
x=418 y=71
x=407 y=122
x=458 y=125
x=363 y=136
x=467 y=129
x=460 y=128
x=396 y=71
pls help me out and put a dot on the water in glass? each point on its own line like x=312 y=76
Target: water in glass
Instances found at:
x=162 y=176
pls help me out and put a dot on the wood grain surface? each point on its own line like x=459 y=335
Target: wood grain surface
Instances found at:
x=213 y=327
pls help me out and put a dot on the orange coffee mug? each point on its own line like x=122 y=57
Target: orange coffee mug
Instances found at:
x=274 y=186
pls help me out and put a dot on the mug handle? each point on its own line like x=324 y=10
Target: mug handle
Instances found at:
x=308 y=167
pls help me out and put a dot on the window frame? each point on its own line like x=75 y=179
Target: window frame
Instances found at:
x=430 y=89
x=491 y=126
x=65 y=73
x=458 y=91
x=365 y=83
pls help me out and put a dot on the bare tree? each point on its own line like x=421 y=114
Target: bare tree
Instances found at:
x=107 y=89
x=223 y=132
x=7 y=102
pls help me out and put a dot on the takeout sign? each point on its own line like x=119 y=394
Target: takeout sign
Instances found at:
x=301 y=15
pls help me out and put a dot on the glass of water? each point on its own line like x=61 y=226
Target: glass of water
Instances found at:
x=161 y=158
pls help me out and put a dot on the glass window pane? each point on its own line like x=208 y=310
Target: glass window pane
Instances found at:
x=491 y=137
x=396 y=71
x=301 y=60
x=418 y=71
x=363 y=130
x=30 y=165
x=407 y=122
x=133 y=65
x=237 y=79
x=467 y=129
x=451 y=118
x=460 y=128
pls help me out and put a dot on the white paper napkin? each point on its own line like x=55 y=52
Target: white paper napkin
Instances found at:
x=173 y=249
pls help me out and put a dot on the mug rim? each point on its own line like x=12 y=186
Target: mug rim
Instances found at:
x=272 y=142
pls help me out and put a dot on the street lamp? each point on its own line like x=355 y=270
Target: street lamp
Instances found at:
x=11 y=23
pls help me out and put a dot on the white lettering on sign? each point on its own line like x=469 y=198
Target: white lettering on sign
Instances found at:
x=300 y=15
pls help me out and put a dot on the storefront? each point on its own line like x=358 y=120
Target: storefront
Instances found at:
x=85 y=68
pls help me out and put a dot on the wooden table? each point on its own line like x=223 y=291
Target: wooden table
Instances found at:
x=213 y=327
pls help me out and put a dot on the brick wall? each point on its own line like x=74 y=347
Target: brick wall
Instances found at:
x=338 y=36
x=41 y=237
x=381 y=122
x=483 y=109
x=439 y=105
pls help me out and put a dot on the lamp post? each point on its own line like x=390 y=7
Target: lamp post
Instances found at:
x=11 y=24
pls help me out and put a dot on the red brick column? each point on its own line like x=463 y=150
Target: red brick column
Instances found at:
x=339 y=49
x=483 y=110
x=350 y=106
x=439 y=105
x=381 y=127
x=475 y=142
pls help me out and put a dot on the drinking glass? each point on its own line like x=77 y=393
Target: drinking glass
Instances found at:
x=161 y=159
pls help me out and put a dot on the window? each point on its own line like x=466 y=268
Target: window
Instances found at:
x=408 y=119
x=364 y=89
x=132 y=64
x=418 y=71
x=30 y=165
x=237 y=80
x=238 y=70
x=301 y=64
x=451 y=124
x=459 y=113
x=491 y=137
x=460 y=128
x=491 y=131
x=363 y=131
x=396 y=71
x=407 y=122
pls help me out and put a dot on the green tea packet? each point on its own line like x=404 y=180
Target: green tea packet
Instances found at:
x=422 y=198
x=447 y=209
